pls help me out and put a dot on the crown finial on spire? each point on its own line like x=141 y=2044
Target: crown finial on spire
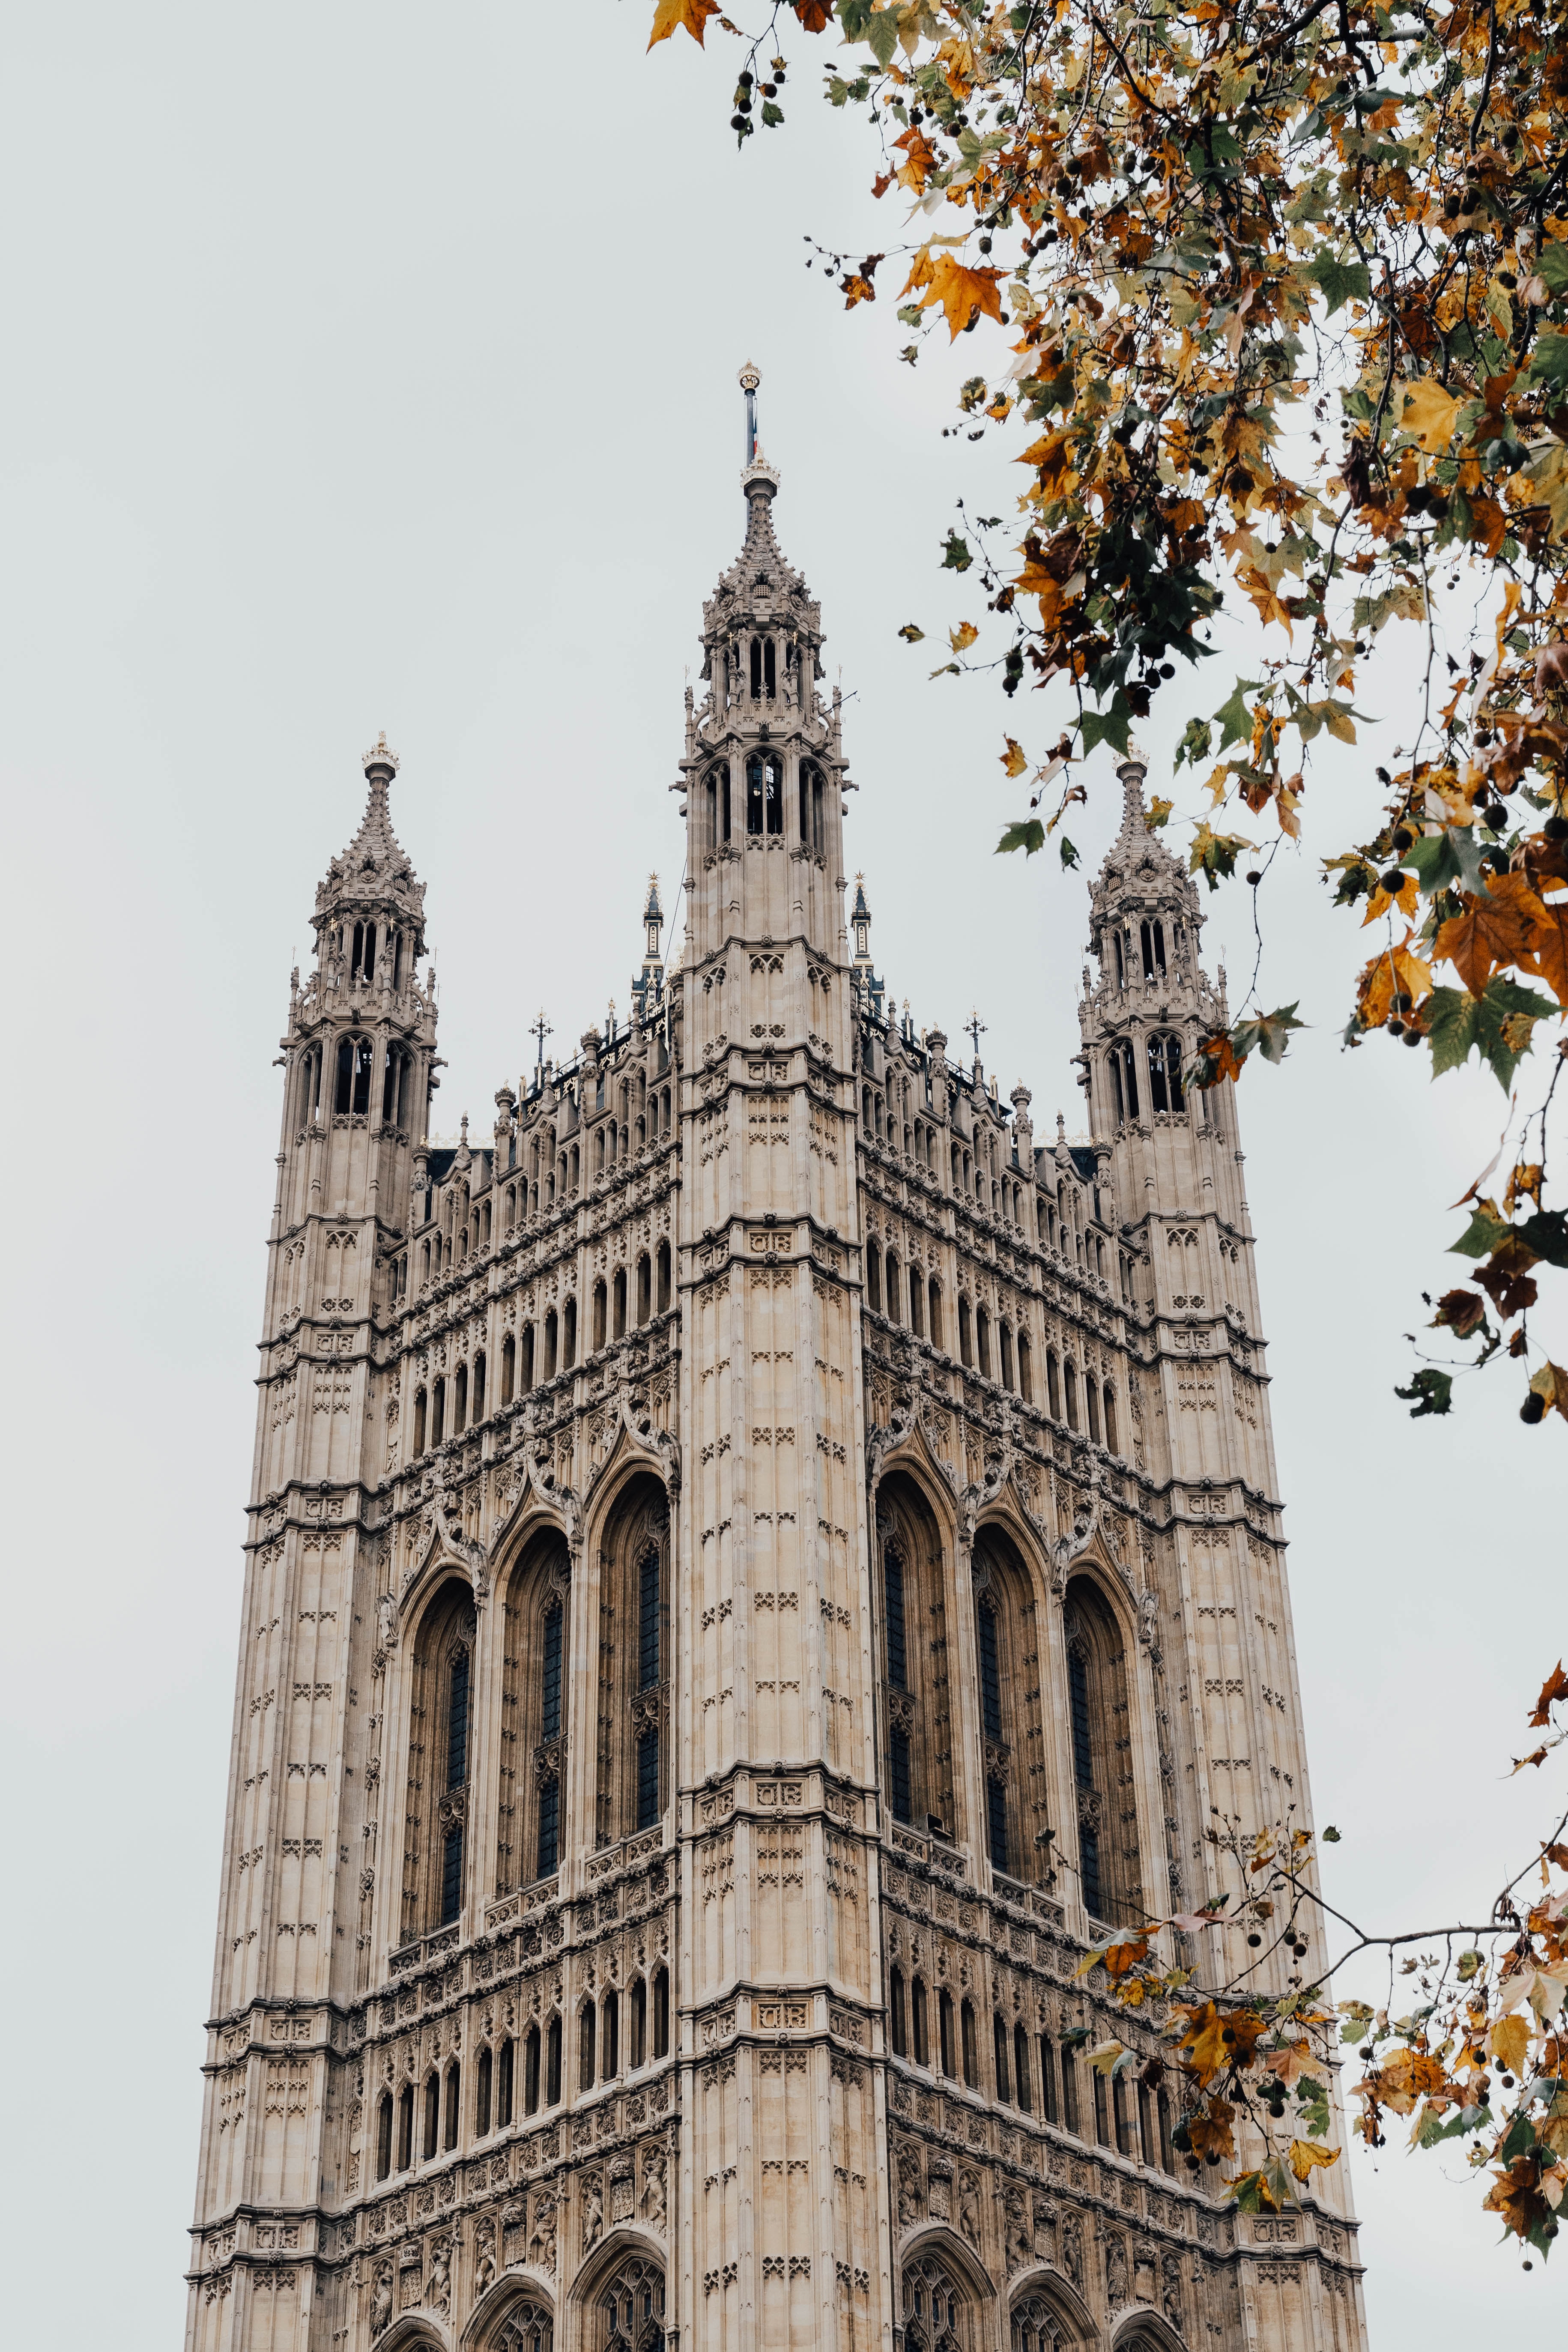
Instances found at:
x=749 y=379
x=380 y=756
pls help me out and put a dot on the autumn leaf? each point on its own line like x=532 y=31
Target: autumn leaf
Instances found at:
x=1429 y=414
x=965 y=295
x=1158 y=812
x=1013 y=758
x=1495 y=930
x=961 y=639
x=1210 y=2130
x=815 y=16
x=670 y=15
x=1461 y=1312
x=911 y=633
x=1308 y=2155
x=1510 y=2040
x=1555 y=1687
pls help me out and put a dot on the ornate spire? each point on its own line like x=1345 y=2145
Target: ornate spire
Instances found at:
x=648 y=986
x=1132 y=769
x=374 y=871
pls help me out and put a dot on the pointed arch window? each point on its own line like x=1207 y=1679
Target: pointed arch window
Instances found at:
x=1006 y=1655
x=764 y=793
x=939 y=2315
x=630 y=2310
x=633 y=1679
x=1099 y=1712
x=1152 y=939
x=1123 y=1067
x=533 y=1743
x=917 y=1760
x=1165 y=1073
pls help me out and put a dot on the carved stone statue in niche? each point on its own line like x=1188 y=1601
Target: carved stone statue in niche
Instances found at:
x=1020 y=2235
x=438 y=2294
x=969 y=2206
x=655 y=2190
x=381 y=2300
x=1072 y=2249
x=592 y=2210
x=911 y=2201
x=1115 y=2271
x=541 y=2245
x=484 y=2256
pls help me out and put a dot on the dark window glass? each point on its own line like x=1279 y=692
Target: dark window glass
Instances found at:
x=550 y=1711
x=648 y=1779
x=990 y=1675
x=482 y=2093
x=893 y=1578
x=648 y=1620
x=552 y=2063
x=452 y=1875
x=457 y=1723
x=1088 y=1863
x=1083 y=1739
x=997 y=1821
x=549 y=1828
x=899 y=1774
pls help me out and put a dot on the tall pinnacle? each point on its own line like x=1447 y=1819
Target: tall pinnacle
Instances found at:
x=1132 y=771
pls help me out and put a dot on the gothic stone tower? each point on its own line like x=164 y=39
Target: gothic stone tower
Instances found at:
x=748 y=1568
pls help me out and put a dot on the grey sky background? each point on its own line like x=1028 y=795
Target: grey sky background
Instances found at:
x=376 y=367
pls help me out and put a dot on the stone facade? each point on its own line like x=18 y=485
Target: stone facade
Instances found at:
x=746 y=1566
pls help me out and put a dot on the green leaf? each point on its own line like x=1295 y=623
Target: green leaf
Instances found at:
x=956 y=556
x=1028 y=836
x=1451 y=856
x=1498 y=1025
x=1196 y=737
x=881 y=35
x=1433 y=1390
x=1547 y=1235
x=911 y=633
x=1341 y=281
x=1482 y=1234
x=1269 y=1034
x=1553 y=264
x=1234 y=717
x=1114 y=725
x=1549 y=362
x=1330 y=1835
x=1069 y=854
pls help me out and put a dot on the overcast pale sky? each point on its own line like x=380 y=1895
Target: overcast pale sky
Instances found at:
x=375 y=368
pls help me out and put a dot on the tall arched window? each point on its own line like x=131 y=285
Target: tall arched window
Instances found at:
x=661 y=1286
x=1110 y=1436
x=812 y=794
x=438 y=1757
x=529 y=2326
x=1102 y=1750
x=507 y=1368
x=1069 y=1371
x=919 y=1758
x=634 y=1686
x=533 y=1727
x=1152 y=936
x=629 y=2309
x=1123 y=1068
x=764 y=793
x=873 y=1276
x=890 y=1272
x=1007 y=1654
x=1035 y=2327
x=1165 y=1073
x=939 y=2315
x=1026 y=1368
x=716 y=788
x=933 y=1302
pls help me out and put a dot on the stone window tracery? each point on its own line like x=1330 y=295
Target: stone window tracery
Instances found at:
x=629 y=2309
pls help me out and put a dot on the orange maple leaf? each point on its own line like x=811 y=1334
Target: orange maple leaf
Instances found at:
x=815 y=16
x=669 y=14
x=1396 y=970
x=1216 y=2039
x=1555 y=1687
x=1548 y=958
x=965 y=295
x=1493 y=932
x=1306 y=2153
x=1218 y=1051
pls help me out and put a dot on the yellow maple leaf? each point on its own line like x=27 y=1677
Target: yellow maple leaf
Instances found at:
x=965 y=295
x=962 y=637
x=668 y=15
x=1013 y=758
x=1306 y=2154
x=1407 y=900
x=1428 y=414
x=1510 y=2040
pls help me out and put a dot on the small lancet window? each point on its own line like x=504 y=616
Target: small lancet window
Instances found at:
x=765 y=795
